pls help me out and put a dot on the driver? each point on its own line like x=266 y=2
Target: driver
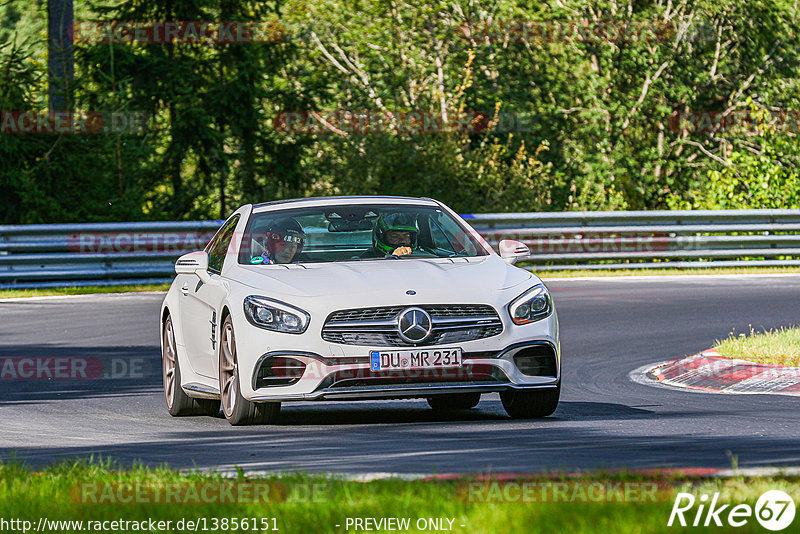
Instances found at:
x=285 y=240
x=395 y=234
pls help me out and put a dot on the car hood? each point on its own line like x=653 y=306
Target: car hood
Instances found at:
x=471 y=277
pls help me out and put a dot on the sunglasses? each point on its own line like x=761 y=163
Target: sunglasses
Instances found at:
x=287 y=238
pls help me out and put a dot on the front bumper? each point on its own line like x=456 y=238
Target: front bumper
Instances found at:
x=398 y=392
x=350 y=378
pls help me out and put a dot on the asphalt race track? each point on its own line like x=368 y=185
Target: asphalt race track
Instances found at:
x=605 y=420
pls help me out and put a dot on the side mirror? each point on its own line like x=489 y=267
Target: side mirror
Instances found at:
x=512 y=251
x=194 y=263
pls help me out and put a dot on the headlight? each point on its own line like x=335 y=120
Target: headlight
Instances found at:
x=275 y=315
x=531 y=306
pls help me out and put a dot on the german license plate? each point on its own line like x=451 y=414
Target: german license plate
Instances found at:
x=415 y=359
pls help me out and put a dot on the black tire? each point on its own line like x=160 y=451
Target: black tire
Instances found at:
x=454 y=401
x=178 y=402
x=237 y=410
x=533 y=404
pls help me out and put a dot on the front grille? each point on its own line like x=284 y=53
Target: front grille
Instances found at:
x=459 y=310
x=452 y=323
x=393 y=340
x=365 y=314
x=466 y=375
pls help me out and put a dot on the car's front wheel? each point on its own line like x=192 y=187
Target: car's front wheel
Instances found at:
x=237 y=409
x=521 y=404
x=454 y=401
x=178 y=402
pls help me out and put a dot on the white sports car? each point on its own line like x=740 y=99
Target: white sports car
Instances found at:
x=348 y=298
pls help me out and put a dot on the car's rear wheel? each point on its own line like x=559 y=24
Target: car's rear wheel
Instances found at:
x=454 y=401
x=237 y=409
x=178 y=402
x=521 y=404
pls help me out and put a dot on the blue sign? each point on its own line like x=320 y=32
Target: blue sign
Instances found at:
x=375 y=360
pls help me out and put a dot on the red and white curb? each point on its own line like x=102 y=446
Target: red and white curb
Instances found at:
x=710 y=372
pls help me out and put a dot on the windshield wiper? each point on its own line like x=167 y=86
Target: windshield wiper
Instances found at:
x=356 y=259
x=416 y=257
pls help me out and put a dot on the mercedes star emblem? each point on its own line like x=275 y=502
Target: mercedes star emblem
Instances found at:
x=414 y=325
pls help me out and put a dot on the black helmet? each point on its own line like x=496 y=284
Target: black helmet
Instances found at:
x=282 y=231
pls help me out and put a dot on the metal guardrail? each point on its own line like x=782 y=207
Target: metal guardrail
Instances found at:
x=650 y=239
x=52 y=255
x=134 y=253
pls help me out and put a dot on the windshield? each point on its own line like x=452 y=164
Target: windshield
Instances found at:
x=355 y=232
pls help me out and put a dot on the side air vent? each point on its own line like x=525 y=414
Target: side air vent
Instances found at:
x=279 y=371
x=537 y=360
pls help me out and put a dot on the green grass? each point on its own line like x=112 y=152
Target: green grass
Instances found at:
x=779 y=347
x=312 y=504
x=667 y=272
x=82 y=290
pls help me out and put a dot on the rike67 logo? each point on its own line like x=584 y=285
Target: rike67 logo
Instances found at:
x=774 y=510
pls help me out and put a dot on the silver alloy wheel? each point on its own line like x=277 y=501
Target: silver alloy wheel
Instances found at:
x=228 y=370
x=168 y=358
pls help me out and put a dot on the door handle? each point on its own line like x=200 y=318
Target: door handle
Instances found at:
x=185 y=289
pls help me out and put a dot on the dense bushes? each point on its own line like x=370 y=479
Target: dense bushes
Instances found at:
x=580 y=112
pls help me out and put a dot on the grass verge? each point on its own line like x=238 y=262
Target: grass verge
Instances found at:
x=89 y=290
x=666 y=272
x=778 y=347
x=598 y=502
x=80 y=290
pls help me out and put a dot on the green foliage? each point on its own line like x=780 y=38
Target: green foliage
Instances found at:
x=750 y=181
x=504 y=178
x=780 y=346
x=758 y=177
x=209 y=103
x=69 y=178
x=485 y=178
x=584 y=115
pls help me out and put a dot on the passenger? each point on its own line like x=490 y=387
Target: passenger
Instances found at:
x=285 y=240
